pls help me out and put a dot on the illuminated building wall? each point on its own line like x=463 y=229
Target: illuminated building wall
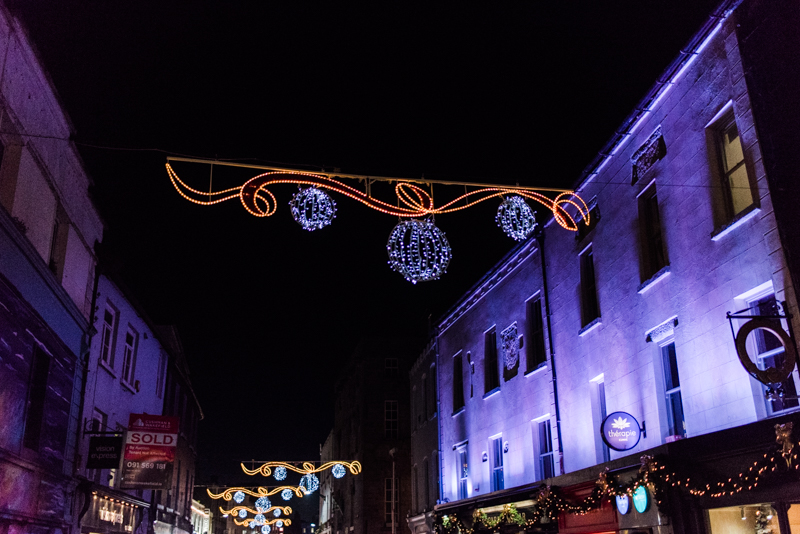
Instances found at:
x=683 y=232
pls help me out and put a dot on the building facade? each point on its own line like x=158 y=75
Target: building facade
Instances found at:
x=639 y=312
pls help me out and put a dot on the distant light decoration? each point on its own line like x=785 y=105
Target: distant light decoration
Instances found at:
x=516 y=218
x=265 y=529
x=242 y=513
x=279 y=524
x=418 y=250
x=338 y=471
x=259 y=519
x=280 y=473
x=276 y=512
x=286 y=494
x=309 y=483
x=238 y=497
x=263 y=504
x=313 y=208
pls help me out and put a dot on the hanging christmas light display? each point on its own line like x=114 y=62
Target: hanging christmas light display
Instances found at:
x=309 y=483
x=276 y=512
x=303 y=468
x=516 y=218
x=418 y=250
x=263 y=504
x=280 y=472
x=313 y=208
x=338 y=471
x=242 y=513
x=286 y=494
x=259 y=519
x=265 y=529
x=238 y=497
x=279 y=524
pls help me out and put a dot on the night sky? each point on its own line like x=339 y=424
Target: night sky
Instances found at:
x=523 y=92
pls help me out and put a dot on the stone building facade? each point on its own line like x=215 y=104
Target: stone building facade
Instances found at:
x=637 y=312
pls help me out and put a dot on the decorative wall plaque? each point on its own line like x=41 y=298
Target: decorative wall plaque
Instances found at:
x=510 y=345
x=647 y=155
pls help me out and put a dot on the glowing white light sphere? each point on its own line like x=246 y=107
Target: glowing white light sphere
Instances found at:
x=263 y=504
x=418 y=250
x=287 y=494
x=238 y=497
x=242 y=513
x=276 y=512
x=279 y=524
x=279 y=473
x=516 y=218
x=260 y=519
x=252 y=524
x=313 y=208
x=265 y=529
x=309 y=483
x=338 y=471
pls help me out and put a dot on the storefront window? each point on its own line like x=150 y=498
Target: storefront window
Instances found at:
x=794 y=518
x=746 y=519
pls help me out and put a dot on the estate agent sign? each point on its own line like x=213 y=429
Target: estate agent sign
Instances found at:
x=621 y=431
x=149 y=451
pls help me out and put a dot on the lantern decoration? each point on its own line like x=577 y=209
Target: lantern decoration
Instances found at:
x=338 y=471
x=516 y=218
x=238 y=497
x=286 y=494
x=418 y=250
x=280 y=473
x=242 y=513
x=309 y=483
x=263 y=504
x=276 y=512
x=313 y=208
x=265 y=529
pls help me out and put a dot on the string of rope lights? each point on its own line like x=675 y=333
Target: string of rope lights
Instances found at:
x=417 y=248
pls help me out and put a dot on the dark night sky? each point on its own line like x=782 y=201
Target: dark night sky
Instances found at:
x=522 y=92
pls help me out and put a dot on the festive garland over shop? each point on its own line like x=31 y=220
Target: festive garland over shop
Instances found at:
x=655 y=475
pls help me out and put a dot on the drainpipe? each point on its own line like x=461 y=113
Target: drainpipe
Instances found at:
x=440 y=476
x=540 y=240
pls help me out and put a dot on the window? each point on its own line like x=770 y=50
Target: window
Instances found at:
x=129 y=356
x=771 y=353
x=426 y=485
x=432 y=393
x=496 y=446
x=601 y=405
x=37 y=391
x=590 y=308
x=416 y=490
x=546 y=464
x=391 y=506
x=162 y=373
x=653 y=256
x=391 y=367
x=108 y=335
x=585 y=229
x=672 y=388
x=390 y=418
x=458 y=383
x=462 y=464
x=536 y=354
x=491 y=372
x=735 y=182
x=424 y=412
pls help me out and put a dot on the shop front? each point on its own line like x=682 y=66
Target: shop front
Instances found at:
x=112 y=512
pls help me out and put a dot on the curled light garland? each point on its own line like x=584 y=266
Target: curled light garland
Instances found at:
x=265 y=469
x=236 y=510
x=516 y=218
x=418 y=250
x=313 y=208
x=227 y=495
x=268 y=522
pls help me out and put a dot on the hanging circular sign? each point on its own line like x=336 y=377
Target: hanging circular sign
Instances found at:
x=770 y=375
x=623 y=504
x=641 y=499
x=620 y=431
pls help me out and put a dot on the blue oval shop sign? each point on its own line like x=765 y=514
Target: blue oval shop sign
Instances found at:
x=621 y=431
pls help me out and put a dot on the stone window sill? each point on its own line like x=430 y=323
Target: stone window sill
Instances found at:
x=737 y=221
x=492 y=393
x=108 y=368
x=459 y=411
x=647 y=284
x=589 y=327
x=542 y=367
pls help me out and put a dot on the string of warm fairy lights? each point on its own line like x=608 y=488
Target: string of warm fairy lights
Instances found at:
x=654 y=475
x=417 y=249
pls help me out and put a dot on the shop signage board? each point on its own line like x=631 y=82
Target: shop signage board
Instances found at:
x=641 y=499
x=623 y=504
x=104 y=452
x=620 y=431
x=109 y=514
x=149 y=451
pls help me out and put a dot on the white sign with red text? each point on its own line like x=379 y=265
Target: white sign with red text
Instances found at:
x=149 y=451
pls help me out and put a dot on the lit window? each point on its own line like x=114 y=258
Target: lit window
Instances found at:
x=672 y=388
x=546 y=464
x=735 y=181
x=129 y=356
x=497 y=463
x=462 y=464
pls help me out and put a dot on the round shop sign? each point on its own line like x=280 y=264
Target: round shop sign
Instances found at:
x=641 y=499
x=621 y=431
x=623 y=504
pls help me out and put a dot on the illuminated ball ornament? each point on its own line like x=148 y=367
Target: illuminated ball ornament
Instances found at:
x=265 y=529
x=276 y=512
x=309 y=483
x=338 y=471
x=252 y=524
x=242 y=513
x=287 y=494
x=313 y=208
x=238 y=497
x=279 y=523
x=260 y=519
x=263 y=504
x=280 y=473
x=516 y=218
x=418 y=250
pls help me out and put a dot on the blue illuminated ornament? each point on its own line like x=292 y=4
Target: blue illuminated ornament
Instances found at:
x=238 y=497
x=287 y=494
x=418 y=250
x=516 y=218
x=260 y=519
x=280 y=473
x=242 y=513
x=252 y=524
x=265 y=529
x=263 y=504
x=313 y=208
x=309 y=483
x=276 y=512
x=338 y=471
x=279 y=524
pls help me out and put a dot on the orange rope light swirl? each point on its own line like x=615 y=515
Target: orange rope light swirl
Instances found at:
x=307 y=468
x=412 y=200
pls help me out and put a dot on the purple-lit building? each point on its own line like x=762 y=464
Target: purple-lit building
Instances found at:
x=631 y=313
x=48 y=231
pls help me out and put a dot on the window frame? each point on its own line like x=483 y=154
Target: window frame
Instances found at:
x=653 y=247
x=462 y=475
x=129 y=353
x=718 y=128
x=391 y=426
x=536 y=352
x=108 y=333
x=496 y=477
x=491 y=364
x=590 y=302
x=545 y=452
x=671 y=392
